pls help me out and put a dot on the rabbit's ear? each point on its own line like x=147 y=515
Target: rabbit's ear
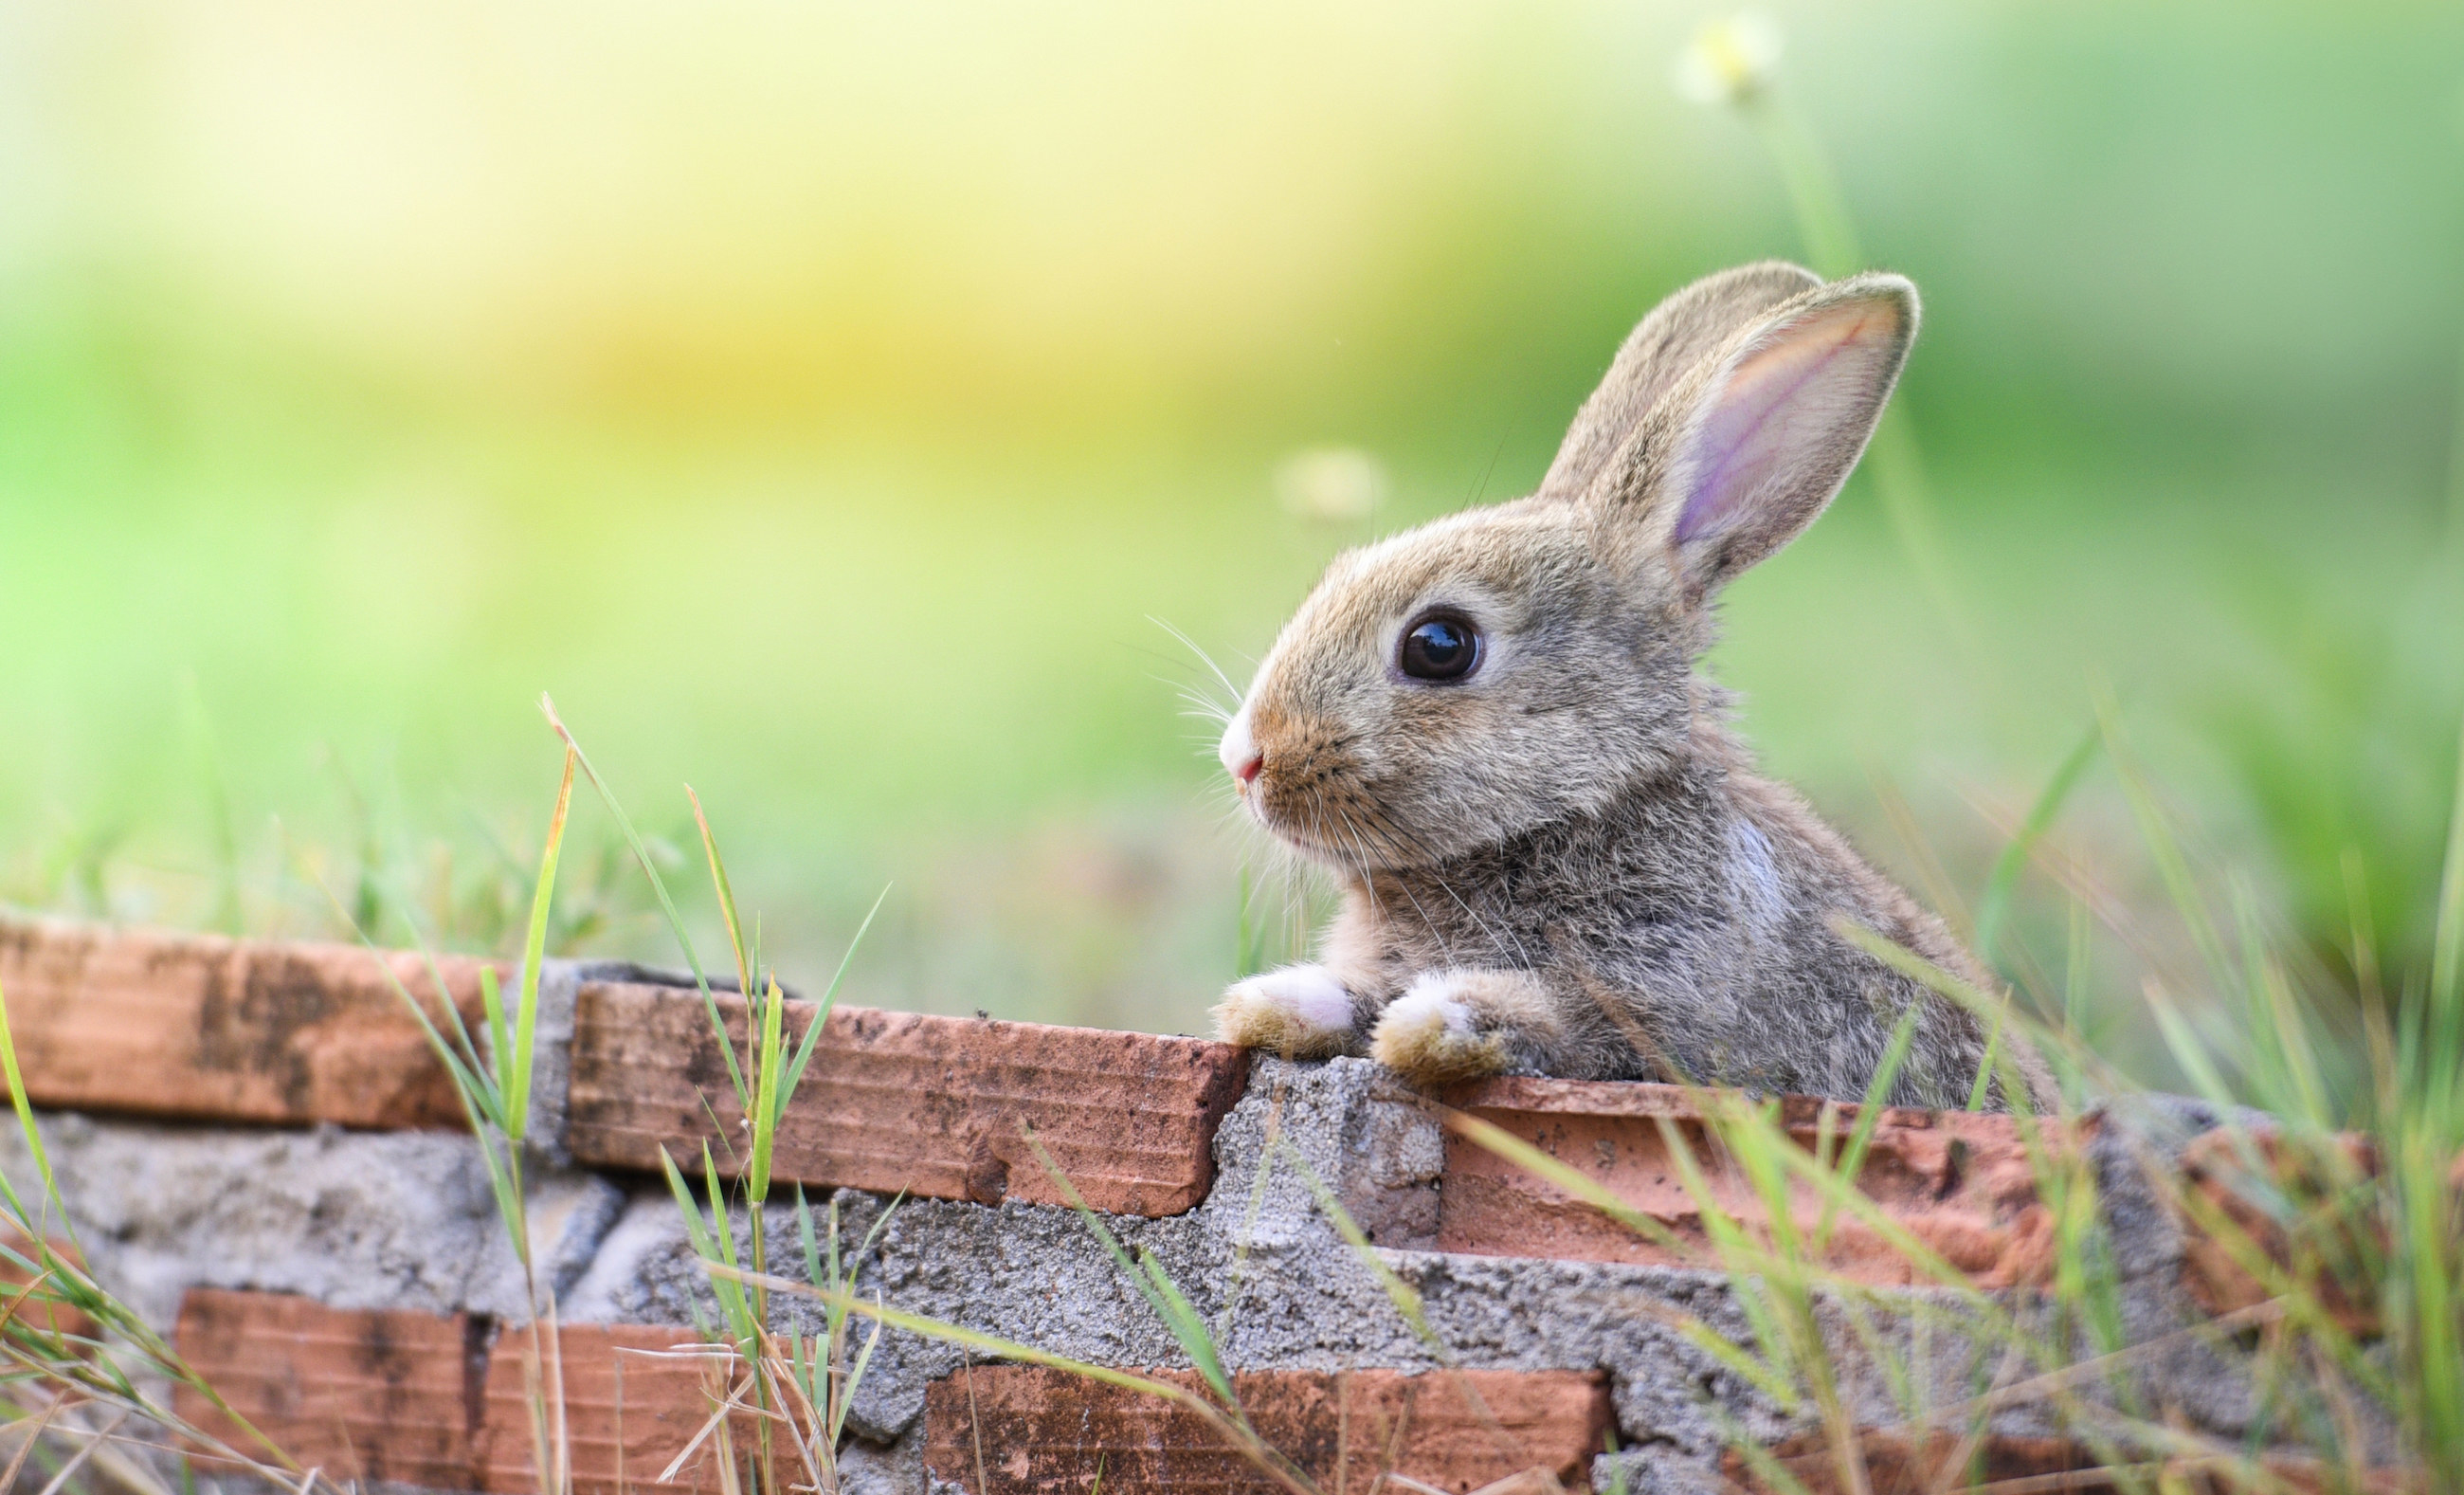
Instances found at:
x=1680 y=332
x=1771 y=425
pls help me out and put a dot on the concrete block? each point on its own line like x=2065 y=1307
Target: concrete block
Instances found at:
x=355 y=1219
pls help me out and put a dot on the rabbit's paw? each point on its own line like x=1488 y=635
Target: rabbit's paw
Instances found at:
x=1432 y=1034
x=1299 y=1011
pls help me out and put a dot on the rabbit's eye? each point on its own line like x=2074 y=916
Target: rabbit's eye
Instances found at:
x=1441 y=648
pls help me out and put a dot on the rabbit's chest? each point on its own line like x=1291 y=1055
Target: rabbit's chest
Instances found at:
x=1599 y=906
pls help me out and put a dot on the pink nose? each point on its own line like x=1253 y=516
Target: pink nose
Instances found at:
x=1247 y=772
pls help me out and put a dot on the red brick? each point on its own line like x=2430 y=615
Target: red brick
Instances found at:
x=224 y=1030
x=1959 y=1181
x=902 y=1101
x=634 y=1396
x=2239 y=1186
x=1044 y=1432
x=365 y=1394
x=1895 y=1461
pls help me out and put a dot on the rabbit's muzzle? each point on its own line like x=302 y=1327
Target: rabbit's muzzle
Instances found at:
x=1305 y=787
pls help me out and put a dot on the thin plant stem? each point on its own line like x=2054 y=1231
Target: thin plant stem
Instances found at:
x=1833 y=244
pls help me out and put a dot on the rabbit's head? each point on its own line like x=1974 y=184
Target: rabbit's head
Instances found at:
x=1448 y=687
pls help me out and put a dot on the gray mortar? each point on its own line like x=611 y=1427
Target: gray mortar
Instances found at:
x=356 y=1219
x=405 y=1220
x=561 y=982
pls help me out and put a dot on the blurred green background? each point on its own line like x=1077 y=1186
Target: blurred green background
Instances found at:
x=823 y=402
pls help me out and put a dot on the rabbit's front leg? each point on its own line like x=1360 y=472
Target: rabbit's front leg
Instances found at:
x=1301 y=1012
x=1460 y=1024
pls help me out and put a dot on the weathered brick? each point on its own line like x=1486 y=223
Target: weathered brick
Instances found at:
x=225 y=1030
x=1042 y=1432
x=901 y=1101
x=634 y=1396
x=2297 y=1203
x=1898 y=1462
x=363 y=1393
x=1958 y=1181
x=1895 y=1462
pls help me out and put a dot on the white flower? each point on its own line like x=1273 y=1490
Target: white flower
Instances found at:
x=1334 y=483
x=1729 y=61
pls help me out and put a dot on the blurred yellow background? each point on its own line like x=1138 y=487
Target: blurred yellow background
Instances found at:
x=829 y=404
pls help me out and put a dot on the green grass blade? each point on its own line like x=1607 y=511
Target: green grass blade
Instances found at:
x=1405 y=1298
x=1869 y=1114
x=1148 y=1275
x=516 y=1075
x=24 y=1110
x=1240 y=1437
x=712 y=1239
x=821 y=1009
x=2003 y=881
x=855 y=1372
x=2164 y=848
x=476 y=1088
x=1582 y=1185
x=2447 y=945
x=666 y=904
x=2187 y=1048
x=726 y=895
x=1187 y=1325
x=1979 y=1092
x=492 y=1004
x=805 y=1238
x=504 y=1182
x=721 y=1222
x=766 y=1108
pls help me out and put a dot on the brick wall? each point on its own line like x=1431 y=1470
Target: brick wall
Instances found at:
x=261 y=1155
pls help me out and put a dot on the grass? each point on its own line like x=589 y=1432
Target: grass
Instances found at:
x=2341 y=1231
x=2334 y=1226
x=797 y=1389
x=495 y=1088
x=86 y=1384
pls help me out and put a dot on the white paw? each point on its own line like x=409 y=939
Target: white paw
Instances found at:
x=1429 y=1034
x=1302 y=1010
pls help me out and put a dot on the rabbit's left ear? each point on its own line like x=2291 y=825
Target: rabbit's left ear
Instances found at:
x=1760 y=438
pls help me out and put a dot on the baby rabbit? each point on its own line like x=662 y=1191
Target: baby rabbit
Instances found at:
x=1555 y=857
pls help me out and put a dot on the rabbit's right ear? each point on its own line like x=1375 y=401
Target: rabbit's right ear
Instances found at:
x=1679 y=333
x=1752 y=446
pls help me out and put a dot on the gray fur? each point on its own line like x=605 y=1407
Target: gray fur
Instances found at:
x=1680 y=333
x=1565 y=863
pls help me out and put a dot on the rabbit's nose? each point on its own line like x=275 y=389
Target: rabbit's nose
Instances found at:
x=1238 y=751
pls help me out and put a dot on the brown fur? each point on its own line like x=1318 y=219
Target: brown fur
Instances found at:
x=1564 y=864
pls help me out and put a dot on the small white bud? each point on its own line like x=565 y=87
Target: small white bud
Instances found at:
x=1337 y=484
x=1729 y=61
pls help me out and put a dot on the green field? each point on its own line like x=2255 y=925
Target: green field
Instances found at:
x=825 y=408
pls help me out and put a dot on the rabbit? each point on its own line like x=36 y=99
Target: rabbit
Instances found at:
x=1555 y=857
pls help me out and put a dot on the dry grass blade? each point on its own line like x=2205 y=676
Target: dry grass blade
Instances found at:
x=95 y=1442
x=1241 y=1439
x=34 y=1435
x=697 y=1353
